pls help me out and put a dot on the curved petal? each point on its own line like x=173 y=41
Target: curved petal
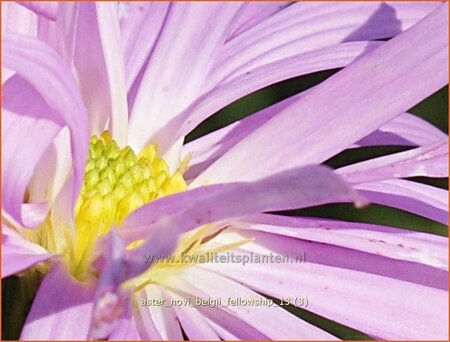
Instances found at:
x=197 y=29
x=429 y=161
x=426 y=249
x=406 y=129
x=19 y=254
x=18 y=19
x=334 y=56
x=61 y=310
x=272 y=321
x=126 y=329
x=251 y=14
x=346 y=101
x=334 y=281
x=307 y=26
x=49 y=76
x=420 y=199
x=140 y=29
x=92 y=43
x=47 y=9
x=29 y=127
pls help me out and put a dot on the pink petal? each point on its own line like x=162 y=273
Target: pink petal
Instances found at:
x=333 y=56
x=345 y=101
x=192 y=321
x=420 y=199
x=307 y=26
x=49 y=76
x=188 y=42
x=426 y=249
x=19 y=254
x=48 y=9
x=61 y=310
x=139 y=31
x=125 y=330
x=429 y=161
x=16 y=18
x=406 y=129
x=251 y=14
x=273 y=322
x=344 y=288
x=29 y=127
x=164 y=318
x=93 y=45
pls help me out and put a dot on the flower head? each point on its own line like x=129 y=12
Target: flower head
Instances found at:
x=104 y=200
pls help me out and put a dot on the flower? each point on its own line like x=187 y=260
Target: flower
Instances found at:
x=92 y=210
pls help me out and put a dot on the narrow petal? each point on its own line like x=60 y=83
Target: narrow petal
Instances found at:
x=426 y=249
x=420 y=199
x=334 y=281
x=272 y=321
x=48 y=9
x=429 y=161
x=19 y=254
x=92 y=43
x=126 y=329
x=307 y=26
x=18 y=19
x=197 y=29
x=406 y=129
x=345 y=100
x=29 y=127
x=61 y=310
x=193 y=323
x=251 y=14
x=49 y=76
x=334 y=56
x=139 y=31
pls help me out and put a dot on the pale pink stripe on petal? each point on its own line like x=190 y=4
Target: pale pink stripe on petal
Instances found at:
x=429 y=161
x=420 y=199
x=61 y=310
x=386 y=241
x=188 y=42
x=391 y=69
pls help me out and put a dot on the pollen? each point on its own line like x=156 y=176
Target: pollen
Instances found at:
x=116 y=182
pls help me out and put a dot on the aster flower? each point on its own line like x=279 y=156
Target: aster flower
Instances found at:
x=97 y=101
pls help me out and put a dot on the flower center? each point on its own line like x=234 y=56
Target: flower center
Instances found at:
x=116 y=182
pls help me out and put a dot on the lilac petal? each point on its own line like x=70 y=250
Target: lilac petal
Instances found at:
x=389 y=242
x=49 y=76
x=61 y=310
x=309 y=26
x=29 y=127
x=420 y=199
x=332 y=275
x=93 y=45
x=406 y=129
x=193 y=323
x=47 y=9
x=164 y=318
x=144 y=320
x=125 y=329
x=19 y=254
x=139 y=32
x=327 y=58
x=188 y=45
x=347 y=101
x=273 y=322
x=251 y=14
x=18 y=19
x=429 y=161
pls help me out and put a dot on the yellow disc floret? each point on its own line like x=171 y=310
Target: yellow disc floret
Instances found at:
x=116 y=182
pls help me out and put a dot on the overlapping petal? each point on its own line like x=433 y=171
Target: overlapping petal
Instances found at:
x=391 y=69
